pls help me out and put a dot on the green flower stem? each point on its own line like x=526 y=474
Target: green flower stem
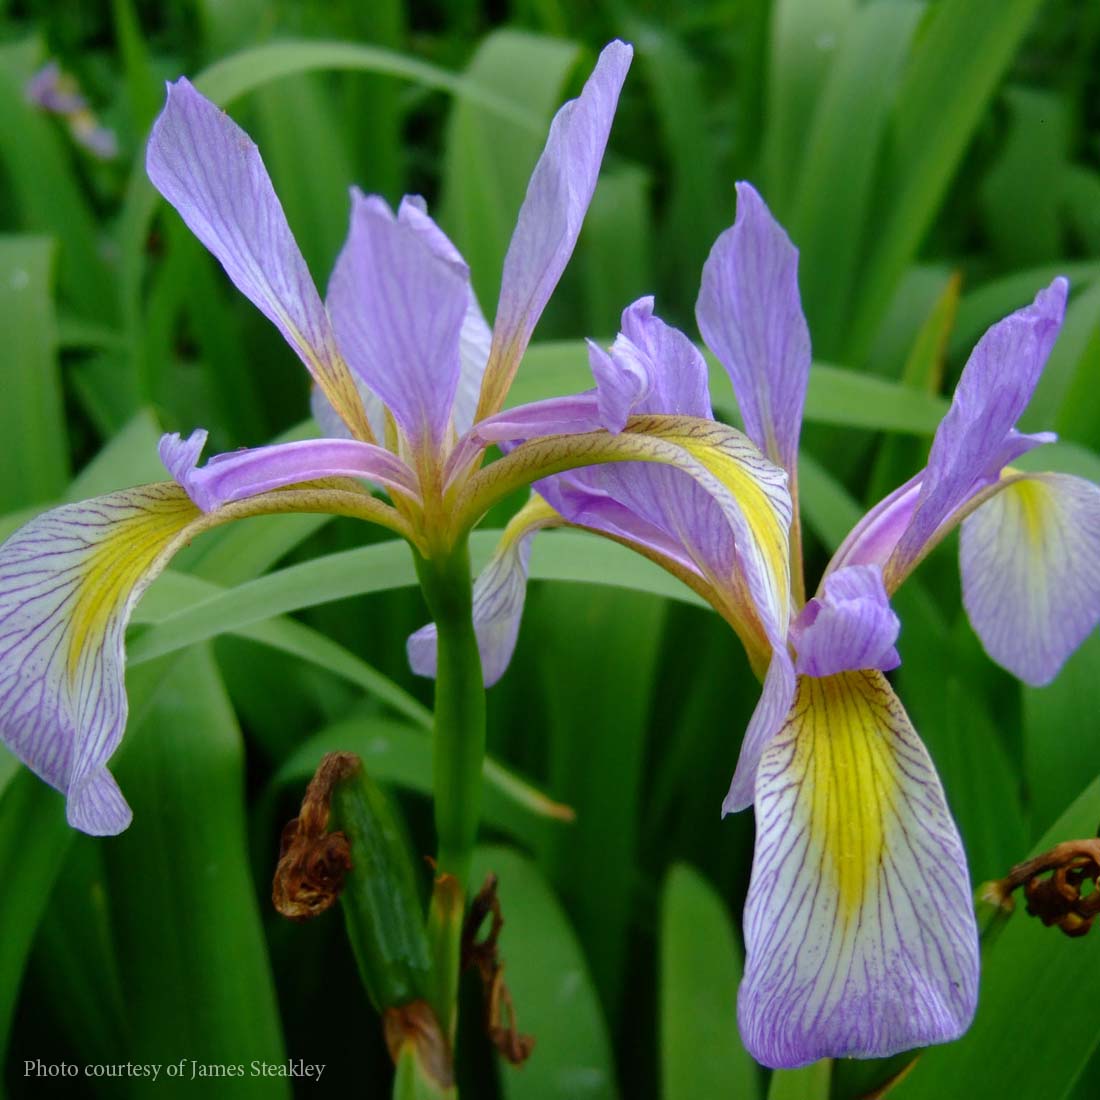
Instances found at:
x=459 y=757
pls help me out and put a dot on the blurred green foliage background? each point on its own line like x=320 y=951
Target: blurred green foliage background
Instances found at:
x=936 y=163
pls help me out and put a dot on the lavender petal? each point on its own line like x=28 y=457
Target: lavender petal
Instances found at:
x=859 y=925
x=750 y=314
x=1030 y=561
x=852 y=627
x=237 y=475
x=68 y=583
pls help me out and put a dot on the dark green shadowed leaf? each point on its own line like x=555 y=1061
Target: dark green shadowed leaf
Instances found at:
x=488 y=160
x=616 y=246
x=701 y=1052
x=943 y=96
x=74 y=967
x=32 y=420
x=1027 y=177
x=804 y=39
x=597 y=744
x=195 y=971
x=34 y=838
x=310 y=165
x=1038 y=1019
x=555 y=1000
x=829 y=219
x=1061 y=736
x=38 y=170
x=700 y=200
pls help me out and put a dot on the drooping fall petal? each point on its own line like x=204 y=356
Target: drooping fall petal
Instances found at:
x=859 y=925
x=1030 y=561
x=210 y=170
x=550 y=218
x=750 y=314
x=68 y=582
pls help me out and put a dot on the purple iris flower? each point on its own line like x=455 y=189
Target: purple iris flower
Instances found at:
x=859 y=924
x=403 y=364
x=59 y=93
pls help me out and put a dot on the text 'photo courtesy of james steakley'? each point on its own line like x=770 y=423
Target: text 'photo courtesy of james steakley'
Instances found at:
x=187 y=1069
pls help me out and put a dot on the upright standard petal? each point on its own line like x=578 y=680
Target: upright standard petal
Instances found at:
x=750 y=314
x=237 y=475
x=977 y=437
x=476 y=336
x=550 y=218
x=398 y=301
x=210 y=170
x=859 y=925
x=68 y=582
x=499 y=595
x=1030 y=561
x=851 y=627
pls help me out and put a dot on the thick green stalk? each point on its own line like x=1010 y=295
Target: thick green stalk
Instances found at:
x=458 y=758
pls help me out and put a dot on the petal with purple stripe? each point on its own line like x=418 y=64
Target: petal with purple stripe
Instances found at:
x=859 y=926
x=209 y=169
x=68 y=582
x=851 y=627
x=1030 y=561
x=550 y=218
x=237 y=475
x=977 y=437
x=499 y=595
x=750 y=314
x=398 y=301
x=767 y=720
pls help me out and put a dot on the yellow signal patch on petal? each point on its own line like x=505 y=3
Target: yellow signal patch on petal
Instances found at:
x=1030 y=561
x=118 y=562
x=859 y=924
x=759 y=488
x=850 y=780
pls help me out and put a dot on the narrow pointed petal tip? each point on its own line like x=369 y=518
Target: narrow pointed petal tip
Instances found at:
x=977 y=437
x=68 y=583
x=549 y=221
x=860 y=933
x=398 y=299
x=749 y=312
x=1030 y=563
x=852 y=627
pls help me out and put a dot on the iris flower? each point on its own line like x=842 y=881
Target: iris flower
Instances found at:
x=403 y=364
x=859 y=924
